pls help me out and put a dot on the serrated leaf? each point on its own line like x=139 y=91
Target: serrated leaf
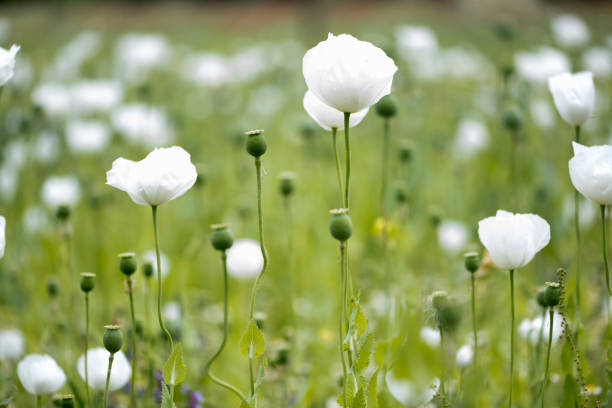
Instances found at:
x=359 y=400
x=166 y=401
x=363 y=355
x=350 y=391
x=174 y=369
x=252 y=342
x=372 y=392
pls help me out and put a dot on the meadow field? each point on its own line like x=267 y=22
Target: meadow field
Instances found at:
x=391 y=317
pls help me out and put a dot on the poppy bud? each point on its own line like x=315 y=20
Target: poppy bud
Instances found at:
x=541 y=298
x=63 y=212
x=448 y=313
x=405 y=152
x=552 y=294
x=401 y=193
x=112 y=339
x=256 y=143
x=52 y=287
x=87 y=281
x=147 y=269
x=67 y=401
x=386 y=107
x=511 y=119
x=221 y=237
x=287 y=183
x=472 y=261
x=127 y=263
x=340 y=225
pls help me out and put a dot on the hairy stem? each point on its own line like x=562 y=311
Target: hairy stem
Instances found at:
x=108 y=374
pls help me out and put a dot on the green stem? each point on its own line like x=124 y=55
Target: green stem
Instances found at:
x=338 y=172
x=605 y=256
x=384 y=170
x=87 y=348
x=384 y=236
x=443 y=374
x=264 y=253
x=578 y=240
x=159 y=279
x=342 y=319
x=474 y=319
x=225 y=334
x=511 y=337
x=37 y=397
x=348 y=159
x=550 y=335
x=108 y=374
x=134 y=352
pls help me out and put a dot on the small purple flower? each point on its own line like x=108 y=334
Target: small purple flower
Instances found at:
x=196 y=399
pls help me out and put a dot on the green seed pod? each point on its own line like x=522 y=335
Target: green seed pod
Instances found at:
x=63 y=213
x=511 y=119
x=87 y=281
x=67 y=401
x=340 y=225
x=147 y=269
x=286 y=183
x=308 y=129
x=112 y=339
x=541 y=298
x=435 y=216
x=552 y=294
x=400 y=192
x=386 y=107
x=448 y=313
x=405 y=152
x=472 y=261
x=127 y=263
x=221 y=237
x=439 y=299
x=256 y=143
x=52 y=287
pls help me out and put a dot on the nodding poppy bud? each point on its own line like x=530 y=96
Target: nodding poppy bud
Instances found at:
x=127 y=263
x=112 y=339
x=340 y=225
x=256 y=143
x=286 y=184
x=147 y=269
x=386 y=107
x=552 y=294
x=221 y=237
x=472 y=261
x=52 y=287
x=87 y=281
x=63 y=212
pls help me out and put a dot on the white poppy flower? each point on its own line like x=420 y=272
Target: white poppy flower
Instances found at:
x=430 y=336
x=97 y=369
x=7 y=63
x=40 y=374
x=464 y=356
x=11 y=344
x=87 y=136
x=452 y=236
x=570 y=31
x=151 y=257
x=95 y=96
x=58 y=191
x=143 y=124
x=574 y=96
x=598 y=60
x=471 y=137
x=591 y=172
x=244 y=259
x=328 y=117
x=539 y=65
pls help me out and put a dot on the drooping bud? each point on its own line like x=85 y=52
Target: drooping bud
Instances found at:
x=340 y=225
x=472 y=261
x=256 y=143
x=386 y=107
x=87 y=281
x=286 y=184
x=221 y=237
x=127 y=263
x=112 y=338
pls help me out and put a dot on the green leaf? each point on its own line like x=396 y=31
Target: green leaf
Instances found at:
x=363 y=357
x=359 y=400
x=252 y=343
x=166 y=401
x=244 y=405
x=350 y=391
x=570 y=393
x=372 y=397
x=174 y=369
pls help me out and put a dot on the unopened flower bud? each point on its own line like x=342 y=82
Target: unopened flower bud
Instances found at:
x=87 y=281
x=256 y=143
x=435 y=216
x=387 y=106
x=448 y=313
x=127 y=263
x=472 y=261
x=286 y=184
x=401 y=193
x=511 y=119
x=340 y=225
x=112 y=339
x=221 y=237
x=147 y=269
x=405 y=152
x=63 y=213
x=552 y=294
x=52 y=287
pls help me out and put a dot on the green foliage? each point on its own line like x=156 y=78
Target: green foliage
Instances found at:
x=252 y=342
x=166 y=400
x=174 y=369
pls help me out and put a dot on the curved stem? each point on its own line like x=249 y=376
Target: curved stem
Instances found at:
x=348 y=159
x=474 y=319
x=338 y=172
x=108 y=374
x=511 y=336
x=134 y=352
x=87 y=348
x=605 y=256
x=225 y=334
x=159 y=279
x=264 y=253
x=342 y=319
x=550 y=335
x=578 y=240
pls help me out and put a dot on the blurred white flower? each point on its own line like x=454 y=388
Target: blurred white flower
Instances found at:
x=574 y=96
x=588 y=211
x=542 y=113
x=95 y=96
x=9 y=178
x=248 y=63
x=87 y=136
x=598 y=60
x=163 y=175
x=34 y=219
x=531 y=329
x=70 y=58
x=142 y=124
x=2 y=236
x=45 y=147
x=471 y=137
x=452 y=236
x=402 y=390
x=12 y=344
x=150 y=256
x=244 y=259
x=23 y=74
x=413 y=41
x=513 y=239
x=591 y=172
x=464 y=356
x=15 y=153
x=570 y=31
x=97 y=368
x=328 y=117
x=207 y=69
x=61 y=190
x=430 y=336
x=464 y=63
x=40 y=374
x=348 y=74
x=272 y=94
x=171 y=311
x=137 y=54
x=53 y=98
x=539 y=65
x=7 y=63
x=5 y=28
